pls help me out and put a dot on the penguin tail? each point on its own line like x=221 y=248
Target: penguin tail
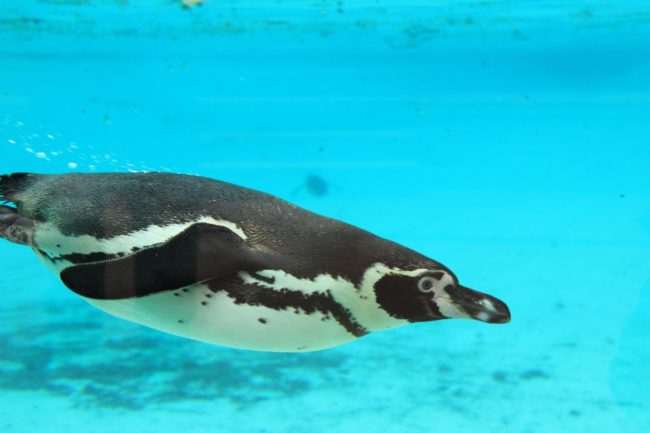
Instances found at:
x=11 y=185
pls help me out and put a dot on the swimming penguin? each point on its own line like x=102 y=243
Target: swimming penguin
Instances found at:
x=227 y=265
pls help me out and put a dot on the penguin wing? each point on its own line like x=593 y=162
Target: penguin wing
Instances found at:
x=202 y=251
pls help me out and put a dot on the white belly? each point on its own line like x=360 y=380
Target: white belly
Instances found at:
x=217 y=319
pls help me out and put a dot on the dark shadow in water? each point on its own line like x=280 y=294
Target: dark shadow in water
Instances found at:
x=97 y=361
x=315 y=185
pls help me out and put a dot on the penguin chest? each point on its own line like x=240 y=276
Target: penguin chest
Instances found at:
x=208 y=313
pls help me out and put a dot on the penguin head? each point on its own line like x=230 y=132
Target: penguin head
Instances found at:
x=433 y=294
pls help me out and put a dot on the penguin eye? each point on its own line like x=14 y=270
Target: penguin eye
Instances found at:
x=426 y=284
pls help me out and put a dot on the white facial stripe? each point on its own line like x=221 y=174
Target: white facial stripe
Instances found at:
x=441 y=298
x=47 y=237
x=448 y=309
x=382 y=269
x=439 y=287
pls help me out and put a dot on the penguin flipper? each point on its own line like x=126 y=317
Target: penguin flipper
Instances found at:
x=202 y=251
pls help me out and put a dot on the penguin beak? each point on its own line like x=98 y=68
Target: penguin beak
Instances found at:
x=479 y=306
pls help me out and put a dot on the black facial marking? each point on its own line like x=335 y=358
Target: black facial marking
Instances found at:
x=285 y=299
x=401 y=298
x=261 y=320
x=437 y=275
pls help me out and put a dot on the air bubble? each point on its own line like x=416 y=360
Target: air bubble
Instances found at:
x=49 y=145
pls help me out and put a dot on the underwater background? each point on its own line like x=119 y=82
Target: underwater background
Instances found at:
x=509 y=140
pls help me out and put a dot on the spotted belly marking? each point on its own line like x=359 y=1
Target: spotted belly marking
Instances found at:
x=232 y=313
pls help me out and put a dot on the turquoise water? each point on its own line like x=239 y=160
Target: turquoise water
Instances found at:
x=509 y=140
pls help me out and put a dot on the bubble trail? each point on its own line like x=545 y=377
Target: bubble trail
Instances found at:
x=69 y=155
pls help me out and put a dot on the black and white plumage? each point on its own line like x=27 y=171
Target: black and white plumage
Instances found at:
x=228 y=265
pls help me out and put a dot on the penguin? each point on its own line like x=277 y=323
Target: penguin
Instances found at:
x=227 y=265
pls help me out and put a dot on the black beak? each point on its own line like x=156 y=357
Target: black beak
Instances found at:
x=478 y=305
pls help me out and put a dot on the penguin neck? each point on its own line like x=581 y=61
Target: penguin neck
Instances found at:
x=365 y=306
